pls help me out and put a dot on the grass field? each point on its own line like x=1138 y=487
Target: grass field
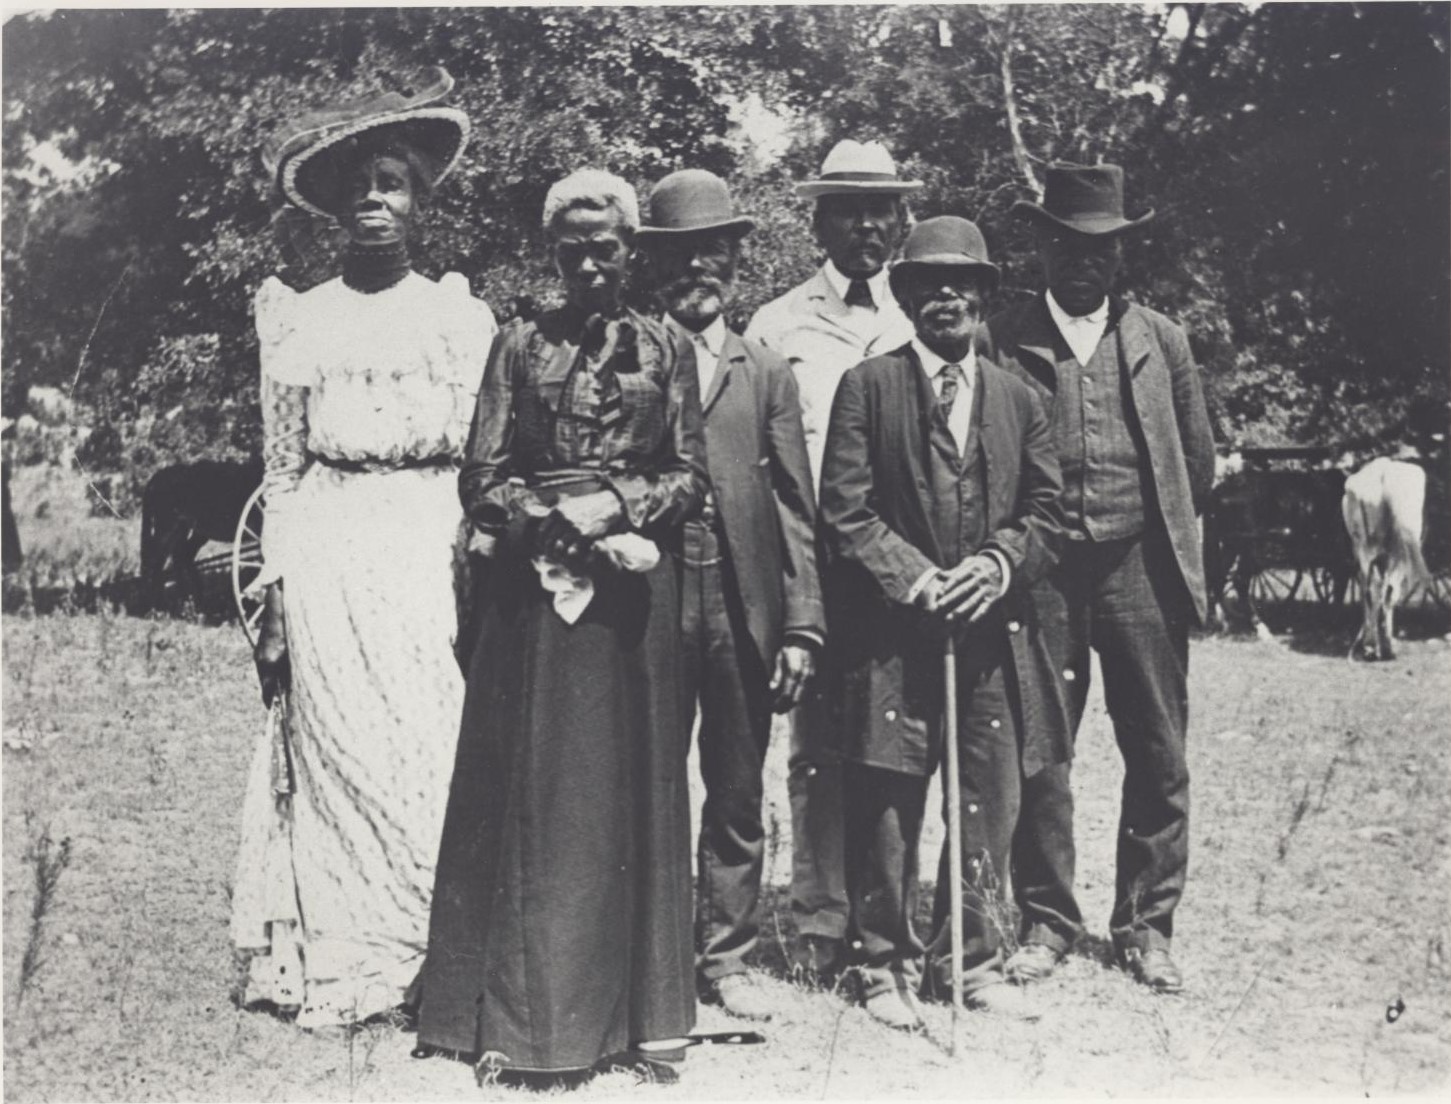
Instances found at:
x=1318 y=897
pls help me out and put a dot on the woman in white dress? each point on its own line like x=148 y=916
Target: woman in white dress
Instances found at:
x=368 y=387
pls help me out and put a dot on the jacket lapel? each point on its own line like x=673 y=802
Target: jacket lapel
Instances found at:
x=732 y=352
x=1040 y=339
x=918 y=402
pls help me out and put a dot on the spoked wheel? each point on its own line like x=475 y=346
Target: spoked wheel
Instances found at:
x=247 y=562
x=1437 y=591
x=1274 y=586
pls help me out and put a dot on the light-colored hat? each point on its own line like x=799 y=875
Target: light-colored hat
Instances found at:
x=303 y=157
x=857 y=168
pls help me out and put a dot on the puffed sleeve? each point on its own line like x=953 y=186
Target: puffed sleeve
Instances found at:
x=283 y=395
x=672 y=488
x=470 y=333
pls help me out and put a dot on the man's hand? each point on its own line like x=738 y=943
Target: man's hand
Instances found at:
x=795 y=664
x=969 y=590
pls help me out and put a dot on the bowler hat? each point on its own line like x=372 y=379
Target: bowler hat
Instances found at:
x=1088 y=199
x=688 y=202
x=303 y=158
x=857 y=168
x=944 y=242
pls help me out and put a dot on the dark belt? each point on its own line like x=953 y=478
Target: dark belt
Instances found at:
x=407 y=463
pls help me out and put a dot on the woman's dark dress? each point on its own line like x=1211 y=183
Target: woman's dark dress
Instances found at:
x=561 y=924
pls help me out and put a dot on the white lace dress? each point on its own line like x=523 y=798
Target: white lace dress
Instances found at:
x=367 y=400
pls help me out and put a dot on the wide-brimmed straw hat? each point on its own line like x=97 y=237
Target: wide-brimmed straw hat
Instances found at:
x=303 y=157
x=946 y=241
x=1088 y=199
x=857 y=168
x=691 y=201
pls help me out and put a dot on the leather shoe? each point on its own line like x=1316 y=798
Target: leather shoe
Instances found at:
x=998 y=998
x=895 y=1010
x=1032 y=962
x=740 y=996
x=1154 y=968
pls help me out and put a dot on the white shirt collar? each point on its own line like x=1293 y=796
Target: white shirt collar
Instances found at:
x=1096 y=317
x=932 y=363
x=712 y=337
x=841 y=283
x=1082 y=332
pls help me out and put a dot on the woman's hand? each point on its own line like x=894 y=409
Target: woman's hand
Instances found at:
x=274 y=667
x=594 y=514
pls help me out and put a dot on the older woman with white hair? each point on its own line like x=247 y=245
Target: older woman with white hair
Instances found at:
x=561 y=926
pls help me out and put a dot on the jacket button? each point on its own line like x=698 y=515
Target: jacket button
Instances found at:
x=891 y=714
x=1014 y=626
x=995 y=723
x=1069 y=674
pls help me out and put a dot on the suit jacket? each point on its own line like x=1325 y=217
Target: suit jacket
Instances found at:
x=807 y=326
x=763 y=491
x=1167 y=398
x=875 y=510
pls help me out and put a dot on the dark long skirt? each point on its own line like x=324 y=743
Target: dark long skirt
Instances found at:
x=561 y=924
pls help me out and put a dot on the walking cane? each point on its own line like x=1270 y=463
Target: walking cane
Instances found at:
x=953 y=788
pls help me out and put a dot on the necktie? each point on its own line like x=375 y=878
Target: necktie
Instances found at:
x=859 y=294
x=952 y=379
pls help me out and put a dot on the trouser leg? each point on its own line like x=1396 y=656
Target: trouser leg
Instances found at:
x=989 y=773
x=735 y=727
x=883 y=828
x=1043 y=851
x=814 y=784
x=1141 y=632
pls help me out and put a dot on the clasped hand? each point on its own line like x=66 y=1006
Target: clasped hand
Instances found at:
x=567 y=533
x=965 y=592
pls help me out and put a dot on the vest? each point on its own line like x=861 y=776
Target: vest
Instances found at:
x=1105 y=484
x=959 y=485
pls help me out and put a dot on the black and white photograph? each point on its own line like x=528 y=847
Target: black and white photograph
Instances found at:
x=727 y=551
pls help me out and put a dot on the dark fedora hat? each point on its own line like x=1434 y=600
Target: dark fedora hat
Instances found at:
x=303 y=157
x=689 y=202
x=946 y=241
x=1088 y=199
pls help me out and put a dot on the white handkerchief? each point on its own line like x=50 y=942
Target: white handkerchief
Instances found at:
x=573 y=593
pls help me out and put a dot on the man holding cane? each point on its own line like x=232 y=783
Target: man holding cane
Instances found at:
x=939 y=498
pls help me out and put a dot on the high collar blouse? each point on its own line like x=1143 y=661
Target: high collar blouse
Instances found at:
x=614 y=399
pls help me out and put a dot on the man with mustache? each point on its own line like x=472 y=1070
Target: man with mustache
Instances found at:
x=841 y=315
x=751 y=611
x=1134 y=441
x=939 y=502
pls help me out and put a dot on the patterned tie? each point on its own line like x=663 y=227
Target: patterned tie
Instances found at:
x=952 y=378
x=859 y=294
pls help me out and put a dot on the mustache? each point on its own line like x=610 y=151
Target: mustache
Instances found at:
x=687 y=284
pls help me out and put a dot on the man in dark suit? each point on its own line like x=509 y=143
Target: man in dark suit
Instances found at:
x=1134 y=441
x=752 y=612
x=939 y=501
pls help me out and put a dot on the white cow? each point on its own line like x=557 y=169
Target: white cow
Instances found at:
x=1383 y=505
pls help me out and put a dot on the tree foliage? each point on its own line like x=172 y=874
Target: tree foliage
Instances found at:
x=1296 y=154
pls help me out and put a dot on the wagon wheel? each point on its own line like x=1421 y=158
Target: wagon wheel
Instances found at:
x=1274 y=586
x=247 y=562
x=1438 y=590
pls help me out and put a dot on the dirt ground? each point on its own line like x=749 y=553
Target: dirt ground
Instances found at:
x=1317 y=902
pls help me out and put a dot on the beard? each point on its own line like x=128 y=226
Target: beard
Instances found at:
x=694 y=298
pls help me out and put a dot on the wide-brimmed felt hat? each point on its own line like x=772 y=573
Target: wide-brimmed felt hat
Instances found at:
x=304 y=156
x=857 y=168
x=1088 y=199
x=691 y=201
x=946 y=241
